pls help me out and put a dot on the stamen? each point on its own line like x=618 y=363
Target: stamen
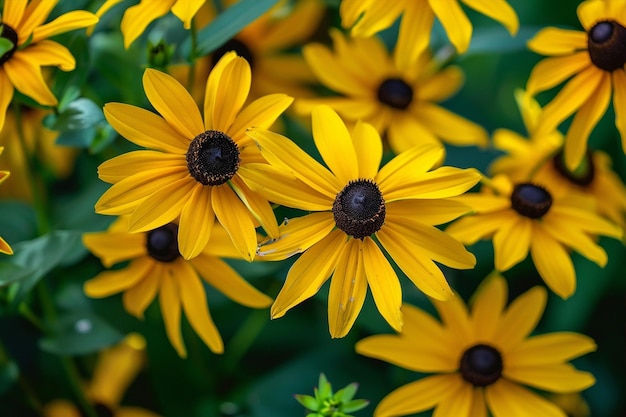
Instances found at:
x=212 y=158
x=359 y=209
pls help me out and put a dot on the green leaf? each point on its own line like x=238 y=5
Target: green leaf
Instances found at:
x=307 y=401
x=325 y=389
x=346 y=394
x=79 y=333
x=355 y=405
x=10 y=273
x=5 y=45
x=9 y=373
x=229 y=23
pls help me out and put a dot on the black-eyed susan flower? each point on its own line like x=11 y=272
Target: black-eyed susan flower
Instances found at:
x=115 y=370
x=4 y=246
x=483 y=359
x=359 y=210
x=22 y=24
x=367 y=17
x=400 y=104
x=157 y=268
x=137 y=18
x=540 y=158
x=593 y=63
x=267 y=44
x=192 y=169
x=527 y=216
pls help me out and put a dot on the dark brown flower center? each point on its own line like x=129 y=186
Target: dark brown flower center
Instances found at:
x=162 y=243
x=583 y=175
x=481 y=365
x=7 y=32
x=359 y=209
x=236 y=45
x=606 y=42
x=212 y=158
x=531 y=200
x=396 y=93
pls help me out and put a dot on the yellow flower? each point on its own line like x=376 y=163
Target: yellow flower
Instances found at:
x=137 y=18
x=482 y=359
x=527 y=216
x=351 y=203
x=540 y=159
x=367 y=17
x=192 y=170
x=115 y=369
x=4 y=246
x=398 y=103
x=57 y=160
x=23 y=25
x=264 y=43
x=156 y=267
x=594 y=60
x=572 y=403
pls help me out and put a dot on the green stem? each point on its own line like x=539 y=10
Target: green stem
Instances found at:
x=244 y=338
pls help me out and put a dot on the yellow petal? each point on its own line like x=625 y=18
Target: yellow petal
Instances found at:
x=231 y=93
x=196 y=222
x=405 y=131
x=194 y=302
x=441 y=86
x=454 y=21
x=508 y=399
x=383 y=283
x=120 y=167
x=414 y=33
x=169 y=300
x=261 y=113
x=235 y=217
x=6 y=95
x=471 y=229
x=572 y=237
x=35 y=15
x=619 y=104
x=140 y=296
x=511 y=243
x=127 y=411
x=584 y=122
x=458 y=403
x=455 y=317
x=498 y=10
x=449 y=126
x=4 y=247
x=417 y=160
x=114 y=247
x=112 y=282
x=258 y=206
x=137 y=18
x=554 y=41
x=26 y=77
x=225 y=279
x=376 y=18
x=60 y=408
x=161 y=207
x=145 y=128
x=369 y=149
x=434 y=212
x=441 y=183
x=590 y=12
x=561 y=378
x=173 y=102
x=76 y=19
x=49 y=53
x=553 y=263
x=297 y=235
x=490 y=301
x=309 y=272
x=521 y=318
x=550 y=348
x=13 y=11
x=348 y=287
x=185 y=10
x=551 y=72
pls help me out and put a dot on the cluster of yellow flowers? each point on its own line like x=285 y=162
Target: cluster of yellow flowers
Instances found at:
x=214 y=165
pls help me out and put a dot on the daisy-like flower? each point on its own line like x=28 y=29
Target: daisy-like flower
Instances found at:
x=192 y=170
x=400 y=104
x=137 y=18
x=22 y=24
x=4 y=246
x=367 y=17
x=156 y=267
x=482 y=359
x=114 y=372
x=526 y=216
x=353 y=202
x=593 y=61
x=540 y=158
x=264 y=43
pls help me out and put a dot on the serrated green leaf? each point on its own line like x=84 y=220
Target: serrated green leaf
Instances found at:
x=229 y=23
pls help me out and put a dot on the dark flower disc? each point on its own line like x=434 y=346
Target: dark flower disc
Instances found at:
x=236 y=45
x=606 y=42
x=7 y=32
x=396 y=93
x=212 y=158
x=359 y=209
x=531 y=200
x=481 y=365
x=162 y=243
x=582 y=176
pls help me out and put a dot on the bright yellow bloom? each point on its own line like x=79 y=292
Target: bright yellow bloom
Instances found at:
x=400 y=104
x=58 y=160
x=594 y=60
x=156 y=267
x=539 y=158
x=527 y=216
x=264 y=43
x=367 y=17
x=4 y=246
x=22 y=23
x=137 y=18
x=482 y=359
x=352 y=202
x=193 y=168
x=114 y=372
